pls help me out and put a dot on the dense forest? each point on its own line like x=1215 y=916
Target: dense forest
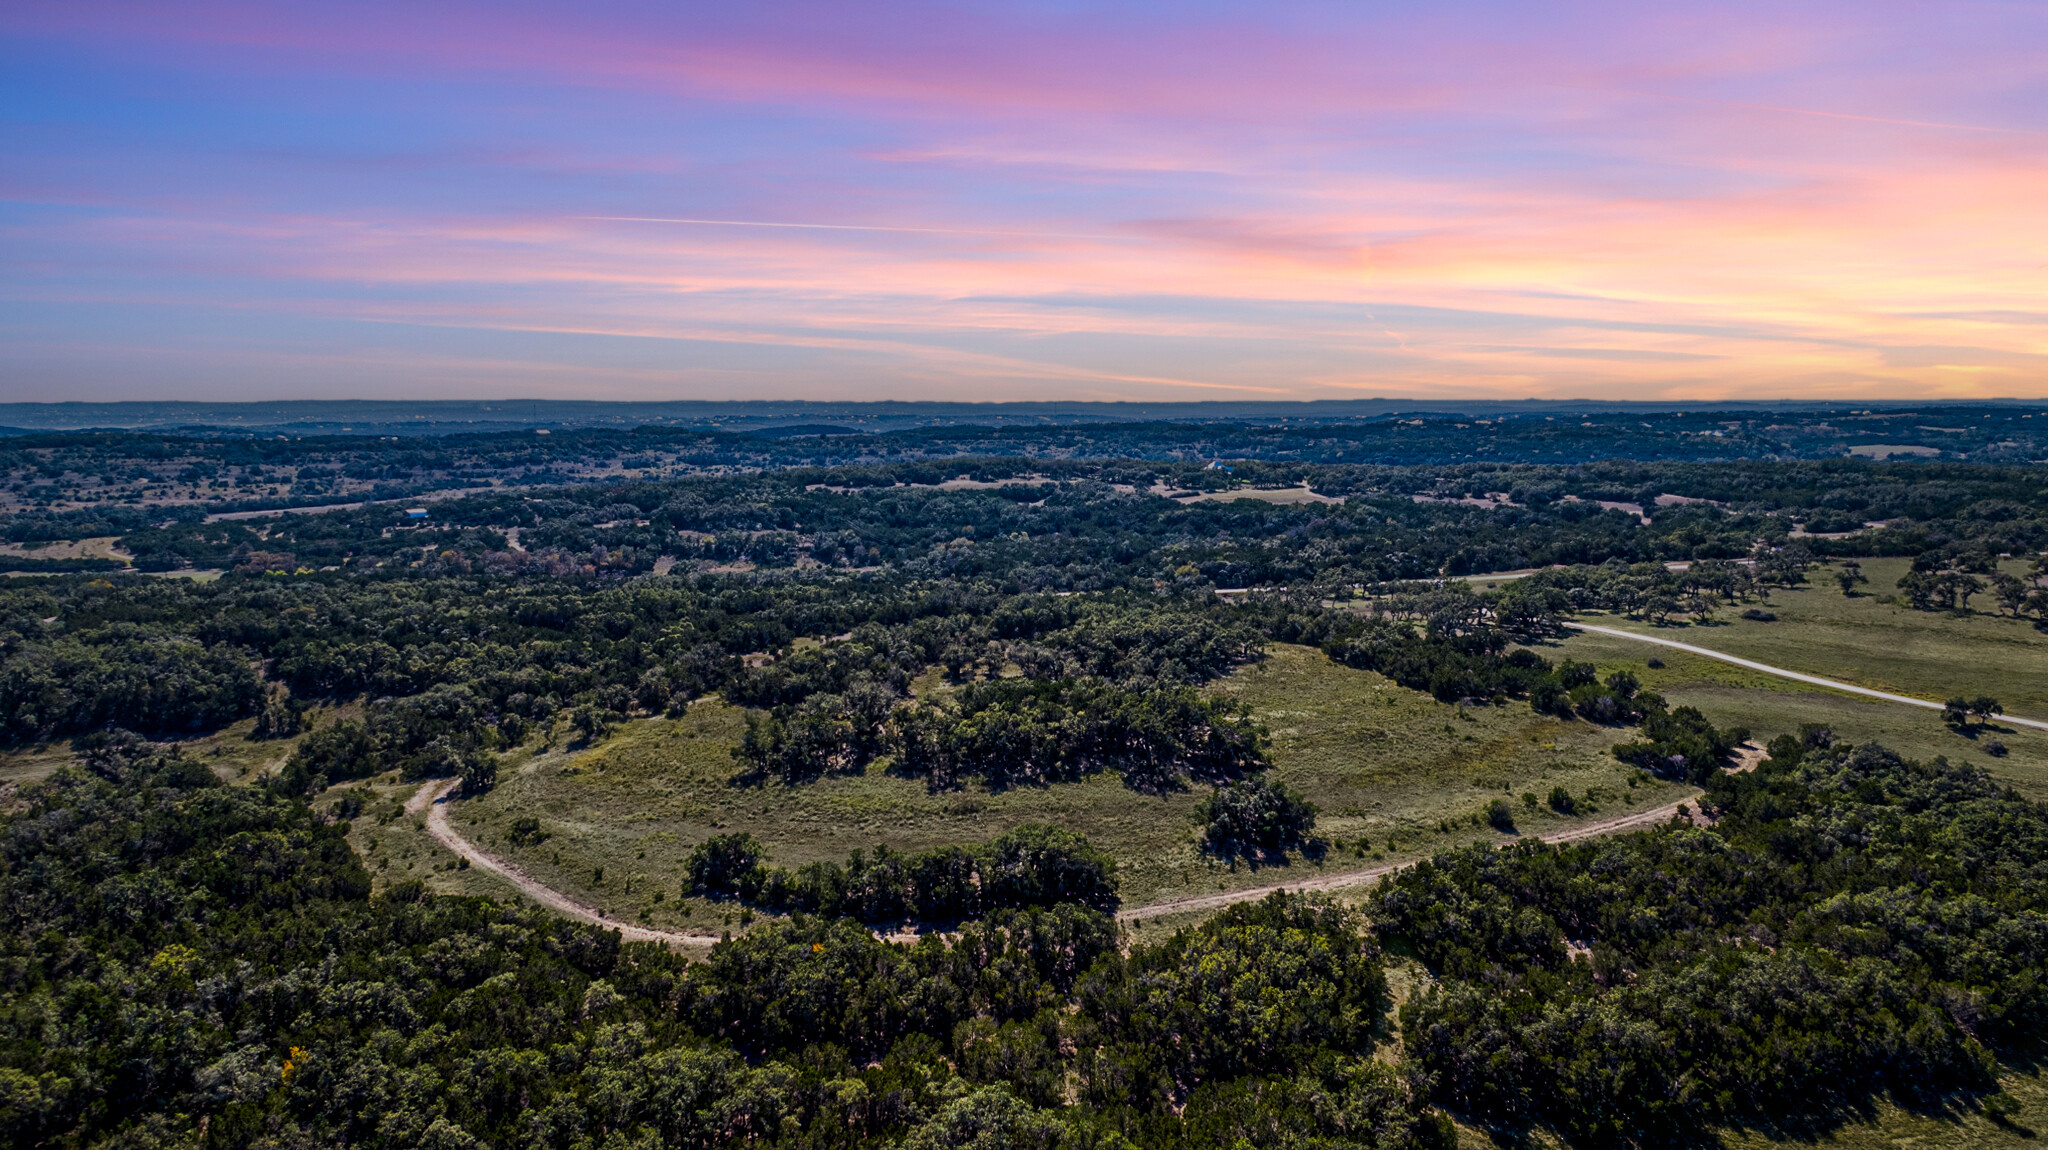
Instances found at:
x=1853 y=925
x=190 y=964
x=1095 y=526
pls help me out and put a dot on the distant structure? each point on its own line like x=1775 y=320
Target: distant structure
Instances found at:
x=415 y=513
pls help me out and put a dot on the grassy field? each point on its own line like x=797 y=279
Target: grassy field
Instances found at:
x=1282 y=495
x=1865 y=641
x=1877 y=641
x=1394 y=768
x=229 y=751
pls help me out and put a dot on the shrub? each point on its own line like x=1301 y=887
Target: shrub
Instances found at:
x=479 y=772
x=722 y=864
x=1253 y=818
x=1501 y=816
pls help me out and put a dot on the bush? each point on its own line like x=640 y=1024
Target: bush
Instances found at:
x=479 y=772
x=722 y=864
x=1562 y=802
x=1681 y=745
x=1256 y=819
x=526 y=832
x=1501 y=815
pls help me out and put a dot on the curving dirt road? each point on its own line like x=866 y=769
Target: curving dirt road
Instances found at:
x=432 y=797
x=1782 y=673
x=1635 y=820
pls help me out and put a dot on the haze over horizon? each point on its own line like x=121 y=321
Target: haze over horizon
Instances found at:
x=224 y=201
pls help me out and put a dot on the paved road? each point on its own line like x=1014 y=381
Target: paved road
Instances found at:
x=1782 y=673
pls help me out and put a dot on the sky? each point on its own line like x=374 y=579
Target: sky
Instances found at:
x=987 y=201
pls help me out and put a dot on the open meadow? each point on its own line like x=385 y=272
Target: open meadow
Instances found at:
x=1397 y=775
x=1871 y=640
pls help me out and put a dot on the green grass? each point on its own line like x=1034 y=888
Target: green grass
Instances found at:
x=1864 y=641
x=1874 y=640
x=229 y=751
x=1379 y=760
x=396 y=847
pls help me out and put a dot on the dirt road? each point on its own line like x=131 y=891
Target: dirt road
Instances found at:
x=1635 y=820
x=1747 y=756
x=432 y=797
x=1782 y=673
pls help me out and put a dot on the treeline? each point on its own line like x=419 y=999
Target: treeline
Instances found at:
x=972 y=630
x=1654 y=592
x=83 y=652
x=1031 y=866
x=1853 y=925
x=193 y=964
x=1075 y=525
x=33 y=565
x=122 y=677
x=1007 y=733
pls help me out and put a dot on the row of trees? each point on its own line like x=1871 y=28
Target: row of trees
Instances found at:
x=166 y=656
x=1007 y=733
x=1946 y=579
x=1031 y=866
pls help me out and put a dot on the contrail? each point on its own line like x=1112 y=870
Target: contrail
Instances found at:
x=851 y=227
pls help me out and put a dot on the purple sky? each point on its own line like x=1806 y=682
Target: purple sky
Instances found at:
x=889 y=200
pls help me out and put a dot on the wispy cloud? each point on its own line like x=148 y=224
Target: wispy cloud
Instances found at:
x=1026 y=199
x=853 y=228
